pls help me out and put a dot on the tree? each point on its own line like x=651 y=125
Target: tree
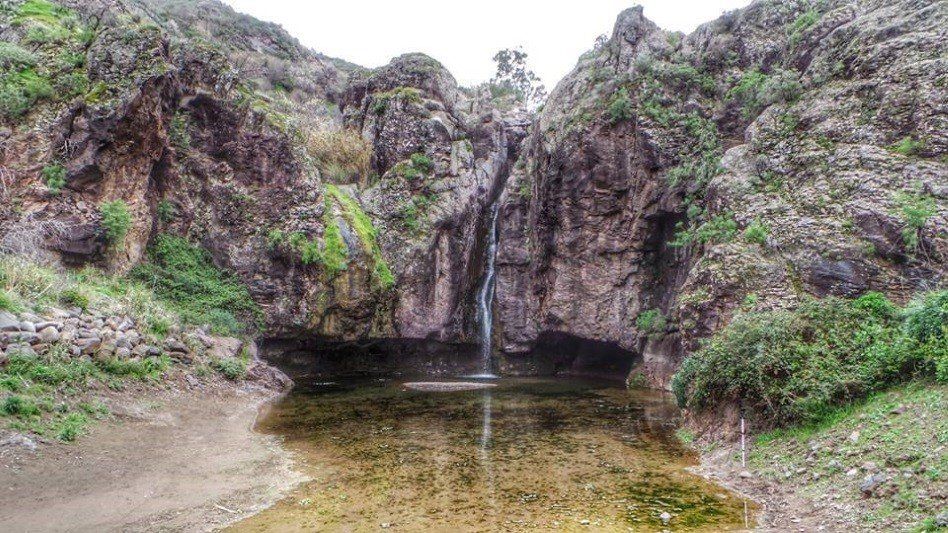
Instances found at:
x=514 y=77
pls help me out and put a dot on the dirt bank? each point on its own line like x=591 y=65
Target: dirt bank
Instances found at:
x=171 y=460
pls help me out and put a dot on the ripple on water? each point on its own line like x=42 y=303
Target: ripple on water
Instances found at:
x=517 y=455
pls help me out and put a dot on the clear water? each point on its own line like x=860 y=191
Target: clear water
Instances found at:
x=485 y=297
x=526 y=455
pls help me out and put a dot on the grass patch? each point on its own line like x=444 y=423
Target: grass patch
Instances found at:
x=620 y=107
x=55 y=178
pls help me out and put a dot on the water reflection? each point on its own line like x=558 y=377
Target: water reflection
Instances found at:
x=486 y=463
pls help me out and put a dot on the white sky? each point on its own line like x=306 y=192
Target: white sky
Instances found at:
x=465 y=35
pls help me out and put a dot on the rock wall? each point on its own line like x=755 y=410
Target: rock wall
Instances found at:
x=771 y=155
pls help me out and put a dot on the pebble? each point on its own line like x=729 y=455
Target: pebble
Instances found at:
x=665 y=517
x=745 y=474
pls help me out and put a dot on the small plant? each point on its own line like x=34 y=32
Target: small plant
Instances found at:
x=915 y=211
x=801 y=24
x=72 y=426
x=651 y=322
x=620 y=107
x=178 y=132
x=232 y=368
x=275 y=238
x=76 y=298
x=421 y=162
x=756 y=232
x=117 y=220
x=908 y=146
x=19 y=406
x=166 y=211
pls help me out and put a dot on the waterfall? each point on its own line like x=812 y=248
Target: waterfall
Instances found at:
x=485 y=295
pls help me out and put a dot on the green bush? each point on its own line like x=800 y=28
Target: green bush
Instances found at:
x=75 y=297
x=718 y=229
x=184 y=276
x=908 y=146
x=620 y=107
x=651 y=322
x=166 y=211
x=20 y=90
x=12 y=56
x=801 y=24
x=55 y=178
x=8 y=302
x=756 y=232
x=232 y=368
x=915 y=211
x=421 y=162
x=116 y=219
x=794 y=365
x=71 y=427
x=19 y=406
x=178 y=132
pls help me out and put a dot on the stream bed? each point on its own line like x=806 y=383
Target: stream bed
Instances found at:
x=526 y=454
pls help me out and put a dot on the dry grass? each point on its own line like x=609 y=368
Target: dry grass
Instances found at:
x=342 y=155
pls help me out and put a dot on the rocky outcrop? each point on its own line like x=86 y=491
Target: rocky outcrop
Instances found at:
x=350 y=202
x=775 y=153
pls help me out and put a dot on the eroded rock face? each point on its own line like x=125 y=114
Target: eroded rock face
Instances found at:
x=251 y=148
x=619 y=213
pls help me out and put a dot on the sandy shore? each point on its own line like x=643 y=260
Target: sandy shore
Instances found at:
x=168 y=461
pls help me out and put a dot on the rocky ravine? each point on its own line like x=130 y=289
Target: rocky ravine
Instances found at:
x=774 y=153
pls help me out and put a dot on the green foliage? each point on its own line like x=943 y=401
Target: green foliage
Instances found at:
x=13 y=56
x=381 y=101
x=178 y=132
x=367 y=233
x=166 y=211
x=756 y=90
x=620 y=107
x=184 y=277
x=20 y=90
x=421 y=162
x=71 y=427
x=794 y=366
x=756 y=232
x=908 y=146
x=651 y=322
x=75 y=297
x=117 y=220
x=718 y=229
x=801 y=24
x=19 y=406
x=335 y=252
x=8 y=303
x=55 y=177
x=276 y=238
x=233 y=369
x=42 y=11
x=915 y=210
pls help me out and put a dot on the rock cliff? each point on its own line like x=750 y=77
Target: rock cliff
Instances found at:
x=787 y=149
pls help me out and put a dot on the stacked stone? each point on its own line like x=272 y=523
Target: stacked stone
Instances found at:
x=87 y=334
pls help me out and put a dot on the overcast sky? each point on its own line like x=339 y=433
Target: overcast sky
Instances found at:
x=465 y=35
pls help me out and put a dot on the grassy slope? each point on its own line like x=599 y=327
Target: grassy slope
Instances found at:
x=903 y=431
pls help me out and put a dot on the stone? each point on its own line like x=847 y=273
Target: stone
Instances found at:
x=18 y=440
x=665 y=517
x=745 y=474
x=122 y=353
x=871 y=483
x=854 y=437
x=176 y=346
x=942 y=519
x=852 y=472
x=27 y=326
x=8 y=322
x=49 y=334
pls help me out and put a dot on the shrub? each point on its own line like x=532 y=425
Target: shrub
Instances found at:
x=166 y=211
x=793 y=366
x=55 y=178
x=756 y=90
x=651 y=322
x=381 y=101
x=8 y=303
x=718 y=229
x=232 y=368
x=620 y=107
x=75 y=297
x=20 y=90
x=71 y=427
x=804 y=21
x=908 y=146
x=184 y=276
x=178 y=132
x=756 y=232
x=339 y=153
x=421 y=162
x=116 y=219
x=19 y=406
x=915 y=211
x=12 y=56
